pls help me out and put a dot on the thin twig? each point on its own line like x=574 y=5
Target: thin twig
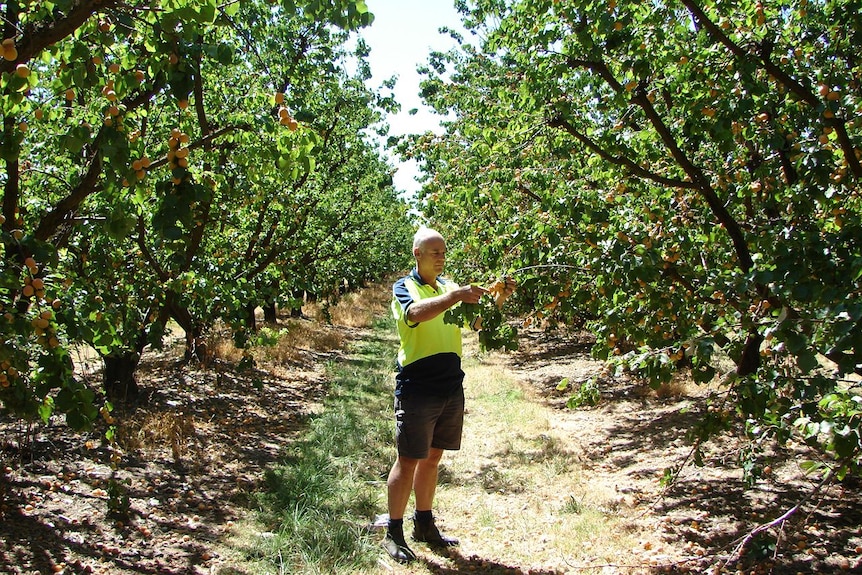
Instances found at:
x=778 y=521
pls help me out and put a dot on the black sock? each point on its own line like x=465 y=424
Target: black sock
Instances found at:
x=423 y=516
x=395 y=529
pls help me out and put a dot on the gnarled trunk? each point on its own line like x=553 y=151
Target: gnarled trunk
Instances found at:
x=196 y=346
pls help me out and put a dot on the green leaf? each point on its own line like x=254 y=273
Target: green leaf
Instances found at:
x=807 y=361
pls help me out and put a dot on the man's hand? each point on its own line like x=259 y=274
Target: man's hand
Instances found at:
x=471 y=293
x=502 y=289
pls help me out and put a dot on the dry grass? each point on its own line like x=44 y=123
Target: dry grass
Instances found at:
x=293 y=341
x=151 y=432
x=676 y=388
x=357 y=309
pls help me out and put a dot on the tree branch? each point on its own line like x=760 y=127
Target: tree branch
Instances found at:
x=634 y=168
x=780 y=520
x=36 y=37
x=763 y=55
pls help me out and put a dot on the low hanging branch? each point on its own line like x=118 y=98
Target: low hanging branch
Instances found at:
x=736 y=555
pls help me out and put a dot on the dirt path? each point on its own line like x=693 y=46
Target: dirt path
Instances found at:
x=629 y=440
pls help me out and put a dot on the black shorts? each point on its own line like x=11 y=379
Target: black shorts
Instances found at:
x=426 y=421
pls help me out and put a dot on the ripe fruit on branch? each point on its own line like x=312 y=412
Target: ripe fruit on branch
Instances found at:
x=10 y=53
x=22 y=71
x=285 y=119
x=500 y=290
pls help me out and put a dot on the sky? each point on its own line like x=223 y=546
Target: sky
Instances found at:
x=402 y=35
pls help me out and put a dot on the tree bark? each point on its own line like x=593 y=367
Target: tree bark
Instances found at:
x=249 y=316
x=119 y=377
x=269 y=312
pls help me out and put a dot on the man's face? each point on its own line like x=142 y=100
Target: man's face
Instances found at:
x=431 y=256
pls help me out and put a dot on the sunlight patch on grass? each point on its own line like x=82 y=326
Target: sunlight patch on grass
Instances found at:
x=516 y=491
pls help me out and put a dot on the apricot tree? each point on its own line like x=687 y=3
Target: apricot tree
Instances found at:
x=157 y=163
x=682 y=178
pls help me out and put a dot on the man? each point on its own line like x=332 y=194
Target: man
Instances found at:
x=429 y=396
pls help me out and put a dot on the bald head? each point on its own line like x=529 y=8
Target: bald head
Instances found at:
x=423 y=236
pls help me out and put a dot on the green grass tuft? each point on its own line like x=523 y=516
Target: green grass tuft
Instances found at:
x=319 y=502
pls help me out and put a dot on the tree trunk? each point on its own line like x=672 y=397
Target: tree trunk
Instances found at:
x=250 y=317
x=119 y=377
x=749 y=361
x=196 y=346
x=269 y=312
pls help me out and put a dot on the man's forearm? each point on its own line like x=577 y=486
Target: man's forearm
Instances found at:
x=429 y=308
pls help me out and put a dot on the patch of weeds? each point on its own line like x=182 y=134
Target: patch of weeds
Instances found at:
x=118 y=500
x=762 y=546
x=587 y=394
x=574 y=506
x=493 y=480
x=529 y=451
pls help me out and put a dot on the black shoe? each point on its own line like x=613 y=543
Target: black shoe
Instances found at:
x=398 y=550
x=427 y=532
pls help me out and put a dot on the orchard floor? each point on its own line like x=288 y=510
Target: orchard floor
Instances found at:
x=201 y=448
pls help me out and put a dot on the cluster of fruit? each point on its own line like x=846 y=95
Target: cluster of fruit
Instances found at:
x=140 y=167
x=500 y=290
x=8 y=373
x=284 y=116
x=178 y=152
x=34 y=289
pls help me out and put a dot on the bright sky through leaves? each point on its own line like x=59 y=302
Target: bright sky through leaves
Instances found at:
x=401 y=37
